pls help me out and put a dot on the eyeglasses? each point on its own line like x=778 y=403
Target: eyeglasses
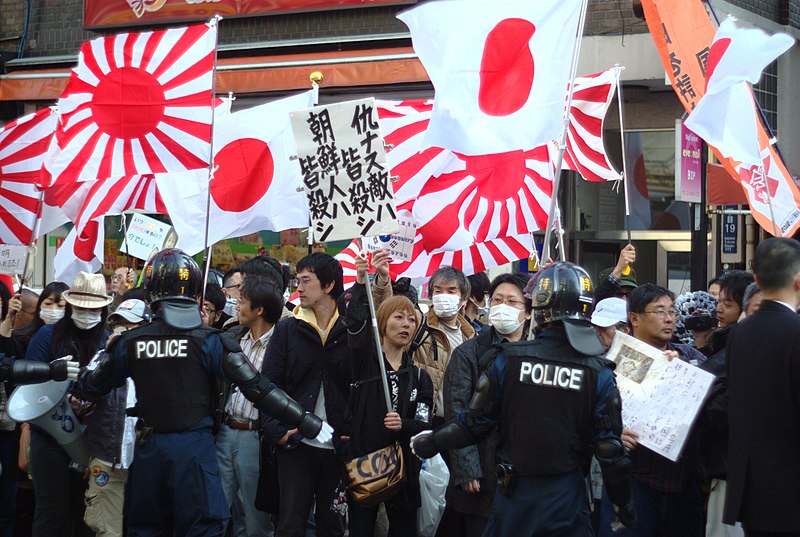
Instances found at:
x=304 y=281
x=235 y=286
x=663 y=314
x=509 y=301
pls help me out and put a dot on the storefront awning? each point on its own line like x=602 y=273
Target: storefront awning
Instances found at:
x=256 y=74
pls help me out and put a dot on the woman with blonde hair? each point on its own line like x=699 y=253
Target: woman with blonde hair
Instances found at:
x=411 y=392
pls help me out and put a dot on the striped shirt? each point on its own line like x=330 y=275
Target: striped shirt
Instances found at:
x=255 y=350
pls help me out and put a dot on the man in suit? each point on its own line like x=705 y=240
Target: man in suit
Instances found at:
x=764 y=390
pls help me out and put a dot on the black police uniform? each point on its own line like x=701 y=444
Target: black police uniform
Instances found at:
x=555 y=402
x=174 y=483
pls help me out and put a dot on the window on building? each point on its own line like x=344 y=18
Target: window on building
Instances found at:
x=767 y=94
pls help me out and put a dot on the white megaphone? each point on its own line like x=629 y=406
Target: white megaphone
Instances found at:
x=46 y=405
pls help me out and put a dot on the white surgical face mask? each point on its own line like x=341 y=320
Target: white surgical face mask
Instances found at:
x=87 y=319
x=51 y=316
x=446 y=306
x=482 y=309
x=230 y=306
x=504 y=318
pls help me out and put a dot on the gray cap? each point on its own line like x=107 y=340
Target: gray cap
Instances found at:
x=133 y=311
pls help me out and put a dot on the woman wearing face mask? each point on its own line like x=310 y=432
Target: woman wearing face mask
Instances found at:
x=49 y=310
x=372 y=426
x=81 y=333
x=472 y=469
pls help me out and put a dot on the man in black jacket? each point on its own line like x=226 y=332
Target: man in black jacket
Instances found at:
x=308 y=357
x=764 y=391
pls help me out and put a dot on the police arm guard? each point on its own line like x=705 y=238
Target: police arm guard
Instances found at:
x=453 y=435
x=30 y=371
x=267 y=398
x=617 y=470
x=96 y=383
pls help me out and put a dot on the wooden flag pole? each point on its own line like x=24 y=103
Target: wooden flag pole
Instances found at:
x=562 y=146
x=376 y=333
x=214 y=23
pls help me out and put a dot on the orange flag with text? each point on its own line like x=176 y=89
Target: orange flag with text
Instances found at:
x=683 y=33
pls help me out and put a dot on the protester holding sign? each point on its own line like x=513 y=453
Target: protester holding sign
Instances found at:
x=373 y=427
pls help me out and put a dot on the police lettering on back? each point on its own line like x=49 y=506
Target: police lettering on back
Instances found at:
x=161 y=348
x=555 y=376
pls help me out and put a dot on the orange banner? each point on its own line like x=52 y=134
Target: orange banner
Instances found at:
x=683 y=33
x=107 y=13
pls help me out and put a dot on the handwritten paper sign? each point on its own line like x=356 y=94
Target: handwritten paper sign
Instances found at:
x=660 y=398
x=345 y=173
x=12 y=258
x=399 y=245
x=146 y=235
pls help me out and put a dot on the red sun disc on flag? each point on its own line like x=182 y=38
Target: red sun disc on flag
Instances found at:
x=245 y=171
x=137 y=104
x=507 y=68
x=128 y=121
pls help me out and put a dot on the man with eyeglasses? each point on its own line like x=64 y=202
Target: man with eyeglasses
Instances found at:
x=667 y=494
x=472 y=481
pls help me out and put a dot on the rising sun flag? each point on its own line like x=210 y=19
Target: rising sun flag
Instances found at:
x=137 y=104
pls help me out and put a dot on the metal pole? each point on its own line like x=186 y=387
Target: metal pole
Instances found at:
x=775 y=229
x=377 y=337
x=127 y=251
x=551 y=215
x=214 y=22
x=619 y=70
x=699 y=266
x=36 y=226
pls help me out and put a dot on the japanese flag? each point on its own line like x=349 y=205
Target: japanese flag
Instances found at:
x=80 y=252
x=500 y=70
x=255 y=184
x=726 y=116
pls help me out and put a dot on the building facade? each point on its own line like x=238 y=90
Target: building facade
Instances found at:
x=367 y=51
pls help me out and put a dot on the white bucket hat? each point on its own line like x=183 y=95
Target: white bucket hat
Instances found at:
x=88 y=291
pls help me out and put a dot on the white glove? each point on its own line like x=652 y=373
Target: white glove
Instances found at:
x=325 y=434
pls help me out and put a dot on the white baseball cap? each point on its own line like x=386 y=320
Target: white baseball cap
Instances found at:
x=609 y=312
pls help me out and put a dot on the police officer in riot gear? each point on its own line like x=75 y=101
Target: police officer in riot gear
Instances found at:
x=174 y=361
x=556 y=403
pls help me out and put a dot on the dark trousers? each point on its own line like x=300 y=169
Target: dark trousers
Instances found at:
x=307 y=475
x=402 y=522
x=660 y=514
x=174 y=488
x=8 y=481
x=58 y=490
x=542 y=506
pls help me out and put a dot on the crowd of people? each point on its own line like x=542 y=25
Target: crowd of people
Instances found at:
x=212 y=406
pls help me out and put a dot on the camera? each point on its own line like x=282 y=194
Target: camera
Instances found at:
x=700 y=321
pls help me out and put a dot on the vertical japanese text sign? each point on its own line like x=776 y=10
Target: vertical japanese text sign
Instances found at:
x=345 y=172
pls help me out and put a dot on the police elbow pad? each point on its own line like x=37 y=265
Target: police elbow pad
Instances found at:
x=239 y=369
x=481 y=402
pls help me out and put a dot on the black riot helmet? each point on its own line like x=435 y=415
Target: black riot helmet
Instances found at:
x=563 y=291
x=172 y=275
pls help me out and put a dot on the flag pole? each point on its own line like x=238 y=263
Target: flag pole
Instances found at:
x=30 y=250
x=127 y=250
x=36 y=226
x=213 y=23
x=618 y=69
x=775 y=229
x=551 y=215
x=376 y=333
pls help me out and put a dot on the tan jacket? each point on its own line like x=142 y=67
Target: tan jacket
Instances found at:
x=433 y=354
